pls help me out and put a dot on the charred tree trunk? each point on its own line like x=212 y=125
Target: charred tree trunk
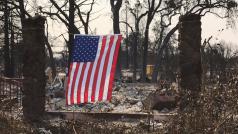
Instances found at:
x=145 y=54
x=160 y=53
x=52 y=61
x=116 y=26
x=136 y=37
x=158 y=56
x=128 y=57
x=152 y=10
x=34 y=69
x=7 y=59
x=12 y=44
x=135 y=42
x=115 y=8
x=71 y=29
x=166 y=64
x=86 y=28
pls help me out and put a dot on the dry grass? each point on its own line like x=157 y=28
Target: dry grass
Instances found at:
x=214 y=111
x=8 y=125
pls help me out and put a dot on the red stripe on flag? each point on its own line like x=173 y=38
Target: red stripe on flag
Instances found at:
x=105 y=67
x=73 y=83
x=67 y=89
x=97 y=68
x=79 y=88
x=114 y=63
x=87 y=83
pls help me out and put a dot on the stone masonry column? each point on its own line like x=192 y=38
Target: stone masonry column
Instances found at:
x=190 y=71
x=34 y=69
x=189 y=53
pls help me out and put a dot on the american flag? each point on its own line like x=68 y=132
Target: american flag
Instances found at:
x=92 y=68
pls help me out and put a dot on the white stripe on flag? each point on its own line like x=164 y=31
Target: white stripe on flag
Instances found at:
x=106 y=86
x=94 y=69
x=70 y=82
x=101 y=68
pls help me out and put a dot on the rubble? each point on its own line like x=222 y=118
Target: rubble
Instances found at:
x=126 y=98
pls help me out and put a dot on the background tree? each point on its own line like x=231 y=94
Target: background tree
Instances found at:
x=7 y=60
x=152 y=10
x=115 y=8
x=137 y=18
x=72 y=16
x=164 y=38
x=137 y=14
x=200 y=7
x=22 y=14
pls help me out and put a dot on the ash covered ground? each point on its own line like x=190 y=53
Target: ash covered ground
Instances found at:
x=126 y=98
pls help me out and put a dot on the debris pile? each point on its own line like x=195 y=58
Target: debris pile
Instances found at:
x=126 y=98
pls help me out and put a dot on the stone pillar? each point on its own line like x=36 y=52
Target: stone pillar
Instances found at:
x=34 y=69
x=189 y=52
x=190 y=71
x=189 y=58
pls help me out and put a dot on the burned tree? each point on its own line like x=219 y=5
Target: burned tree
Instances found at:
x=71 y=29
x=85 y=21
x=7 y=59
x=70 y=13
x=135 y=29
x=152 y=10
x=138 y=18
x=115 y=8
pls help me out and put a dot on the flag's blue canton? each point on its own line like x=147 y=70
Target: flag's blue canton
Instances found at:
x=85 y=48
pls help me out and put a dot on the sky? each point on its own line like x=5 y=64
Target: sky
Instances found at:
x=211 y=26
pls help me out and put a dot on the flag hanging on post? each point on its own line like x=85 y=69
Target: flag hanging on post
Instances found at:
x=92 y=68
